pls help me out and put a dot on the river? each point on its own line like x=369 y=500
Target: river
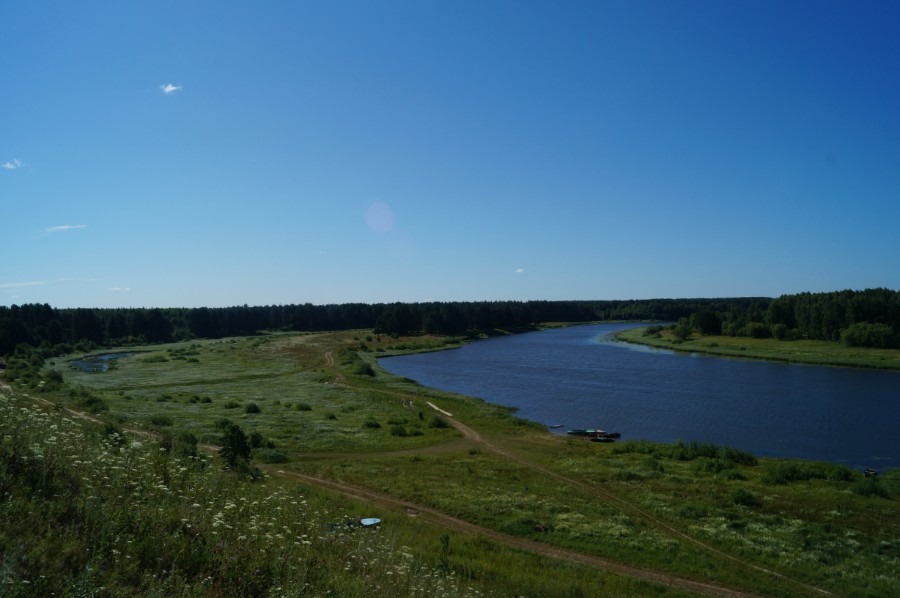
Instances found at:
x=582 y=378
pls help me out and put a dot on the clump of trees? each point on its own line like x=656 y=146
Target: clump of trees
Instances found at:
x=868 y=318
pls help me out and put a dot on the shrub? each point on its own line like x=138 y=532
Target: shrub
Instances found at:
x=438 y=422
x=364 y=369
x=268 y=455
x=780 y=331
x=757 y=330
x=252 y=408
x=85 y=399
x=398 y=430
x=303 y=407
x=160 y=420
x=231 y=405
x=864 y=334
x=626 y=475
x=183 y=444
x=256 y=440
x=744 y=498
x=235 y=445
x=783 y=473
x=870 y=487
x=371 y=422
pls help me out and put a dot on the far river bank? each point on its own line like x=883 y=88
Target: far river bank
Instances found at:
x=809 y=352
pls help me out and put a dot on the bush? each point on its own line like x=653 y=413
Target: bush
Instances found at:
x=303 y=407
x=364 y=369
x=235 y=445
x=256 y=440
x=757 y=330
x=438 y=422
x=183 y=444
x=268 y=455
x=252 y=408
x=85 y=399
x=161 y=420
x=870 y=487
x=864 y=334
x=399 y=430
x=744 y=498
x=371 y=422
x=783 y=473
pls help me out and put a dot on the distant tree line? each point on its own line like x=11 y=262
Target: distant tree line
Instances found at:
x=56 y=331
x=867 y=318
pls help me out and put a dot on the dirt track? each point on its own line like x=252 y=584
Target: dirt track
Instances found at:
x=446 y=521
x=602 y=494
x=436 y=517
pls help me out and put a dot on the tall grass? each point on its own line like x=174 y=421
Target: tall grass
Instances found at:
x=86 y=512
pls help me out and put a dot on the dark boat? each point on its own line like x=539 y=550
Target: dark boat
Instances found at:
x=585 y=432
x=603 y=439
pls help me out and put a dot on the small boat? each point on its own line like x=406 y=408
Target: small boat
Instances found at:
x=555 y=426
x=585 y=432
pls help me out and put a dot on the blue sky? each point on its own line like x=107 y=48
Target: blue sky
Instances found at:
x=222 y=153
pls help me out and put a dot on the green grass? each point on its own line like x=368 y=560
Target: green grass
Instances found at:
x=703 y=512
x=800 y=351
x=86 y=512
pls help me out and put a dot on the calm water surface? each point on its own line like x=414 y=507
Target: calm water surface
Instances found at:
x=581 y=378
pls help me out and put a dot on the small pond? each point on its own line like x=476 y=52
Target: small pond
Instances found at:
x=97 y=363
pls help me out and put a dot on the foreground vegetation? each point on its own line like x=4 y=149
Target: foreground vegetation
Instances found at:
x=89 y=507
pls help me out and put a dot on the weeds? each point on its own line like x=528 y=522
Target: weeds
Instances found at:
x=87 y=511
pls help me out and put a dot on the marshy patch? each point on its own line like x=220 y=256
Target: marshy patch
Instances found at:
x=93 y=364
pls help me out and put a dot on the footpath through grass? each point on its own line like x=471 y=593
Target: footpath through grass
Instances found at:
x=319 y=405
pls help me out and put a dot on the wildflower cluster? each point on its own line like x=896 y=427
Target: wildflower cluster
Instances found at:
x=89 y=512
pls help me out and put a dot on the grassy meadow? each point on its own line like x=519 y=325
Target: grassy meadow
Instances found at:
x=477 y=503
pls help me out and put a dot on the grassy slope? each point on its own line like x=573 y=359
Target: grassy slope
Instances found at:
x=705 y=517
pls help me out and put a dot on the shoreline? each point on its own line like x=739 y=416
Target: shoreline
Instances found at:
x=817 y=353
x=661 y=344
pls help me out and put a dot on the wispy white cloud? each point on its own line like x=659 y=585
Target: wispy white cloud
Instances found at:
x=120 y=290
x=12 y=164
x=519 y=270
x=169 y=89
x=19 y=285
x=56 y=229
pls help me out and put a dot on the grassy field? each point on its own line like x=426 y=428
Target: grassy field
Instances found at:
x=481 y=502
x=800 y=351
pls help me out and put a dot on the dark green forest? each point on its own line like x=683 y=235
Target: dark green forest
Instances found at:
x=862 y=318
x=63 y=330
x=869 y=318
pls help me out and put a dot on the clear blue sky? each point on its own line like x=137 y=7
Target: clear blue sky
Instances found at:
x=221 y=153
